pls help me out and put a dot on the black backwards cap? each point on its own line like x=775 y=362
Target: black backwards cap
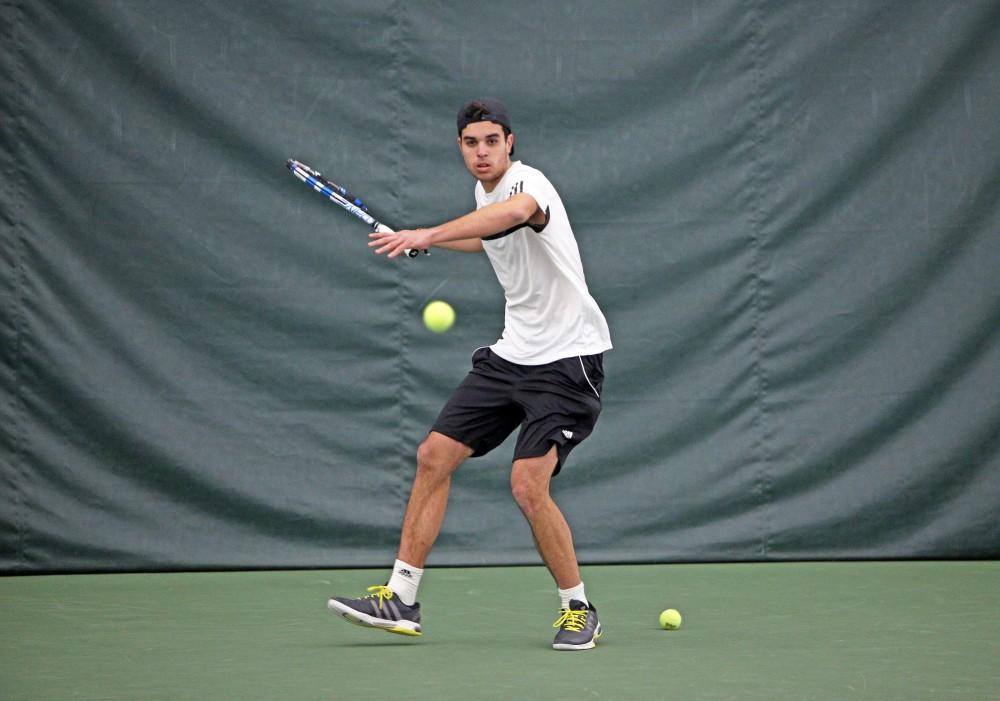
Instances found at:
x=485 y=109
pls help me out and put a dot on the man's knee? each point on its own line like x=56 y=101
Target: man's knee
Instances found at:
x=527 y=494
x=529 y=481
x=439 y=456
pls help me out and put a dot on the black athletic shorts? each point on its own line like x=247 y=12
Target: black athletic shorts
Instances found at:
x=554 y=404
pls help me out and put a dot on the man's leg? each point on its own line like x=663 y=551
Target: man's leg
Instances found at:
x=393 y=607
x=437 y=459
x=529 y=481
x=578 y=625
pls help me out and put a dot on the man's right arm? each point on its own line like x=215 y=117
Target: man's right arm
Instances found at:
x=463 y=245
x=485 y=221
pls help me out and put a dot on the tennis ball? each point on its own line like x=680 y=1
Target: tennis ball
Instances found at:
x=439 y=316
x=670 y=619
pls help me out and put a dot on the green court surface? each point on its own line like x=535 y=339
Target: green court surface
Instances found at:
x=897 y=630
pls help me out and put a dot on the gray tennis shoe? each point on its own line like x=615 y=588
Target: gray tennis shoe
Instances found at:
x=578 y=627
x=381 y=609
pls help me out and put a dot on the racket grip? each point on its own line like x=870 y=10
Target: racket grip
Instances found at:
x=410 y=252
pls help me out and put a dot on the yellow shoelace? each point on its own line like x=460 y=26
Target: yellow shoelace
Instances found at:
x=381 y=593
x=571 y=620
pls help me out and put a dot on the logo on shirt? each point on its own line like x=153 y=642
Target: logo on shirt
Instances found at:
x=516 y=188
x=568 y=434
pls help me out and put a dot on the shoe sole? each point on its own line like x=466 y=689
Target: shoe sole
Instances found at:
x=366 y=621
x=582 y=646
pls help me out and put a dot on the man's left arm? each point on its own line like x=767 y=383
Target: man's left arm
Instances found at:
x=494 y=218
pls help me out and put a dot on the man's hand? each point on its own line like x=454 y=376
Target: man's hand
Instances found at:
x=396 y=243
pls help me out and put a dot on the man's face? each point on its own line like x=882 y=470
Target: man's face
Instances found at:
x=486 y=151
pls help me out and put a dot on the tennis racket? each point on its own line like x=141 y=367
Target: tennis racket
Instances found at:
x=343 y=197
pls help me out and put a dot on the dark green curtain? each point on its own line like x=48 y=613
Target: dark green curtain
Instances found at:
x=788 y=211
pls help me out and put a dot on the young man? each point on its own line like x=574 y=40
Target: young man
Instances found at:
x=544 y=375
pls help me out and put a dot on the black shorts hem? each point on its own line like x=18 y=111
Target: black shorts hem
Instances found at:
x=448 y=433
x=563 y=448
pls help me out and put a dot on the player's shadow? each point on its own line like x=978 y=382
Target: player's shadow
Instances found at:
x=379 y=643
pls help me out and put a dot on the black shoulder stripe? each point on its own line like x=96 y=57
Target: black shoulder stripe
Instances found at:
x=539 y=229
x=511 y=230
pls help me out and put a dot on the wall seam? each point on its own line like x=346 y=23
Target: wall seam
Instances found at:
x=759 y=294
x=16 y=430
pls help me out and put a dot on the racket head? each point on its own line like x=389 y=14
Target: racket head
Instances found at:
x=299 y=169
x=329 y=189
x=340 y=195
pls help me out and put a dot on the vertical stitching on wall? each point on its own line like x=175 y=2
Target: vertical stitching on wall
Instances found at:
x=403 y=461
x=759 y=292
x=15 y=430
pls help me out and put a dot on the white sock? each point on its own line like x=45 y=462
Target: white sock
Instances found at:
x=566 y=595
x=404 y=581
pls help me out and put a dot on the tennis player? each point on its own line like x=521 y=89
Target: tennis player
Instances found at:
x=544 y=375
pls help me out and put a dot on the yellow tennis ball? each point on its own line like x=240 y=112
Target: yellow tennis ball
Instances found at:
x=670 y=619
x=439 y=316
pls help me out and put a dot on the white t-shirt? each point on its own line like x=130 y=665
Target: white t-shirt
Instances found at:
x=549 y=313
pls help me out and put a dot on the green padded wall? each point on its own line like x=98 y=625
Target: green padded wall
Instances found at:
x=788 y=211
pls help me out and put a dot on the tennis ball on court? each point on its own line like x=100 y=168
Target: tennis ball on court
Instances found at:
x=439 y=316
x=670 y=619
